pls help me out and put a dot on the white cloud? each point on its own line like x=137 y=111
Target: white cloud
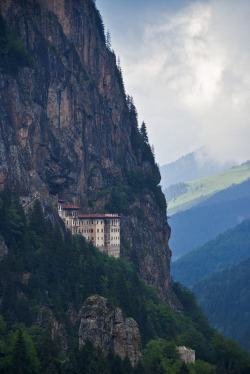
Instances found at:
x=189 y=74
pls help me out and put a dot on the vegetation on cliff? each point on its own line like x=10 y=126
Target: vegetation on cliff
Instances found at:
x=45 y=275
x=13 y=54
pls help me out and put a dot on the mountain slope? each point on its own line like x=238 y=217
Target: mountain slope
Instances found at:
x=225 y=299
x=67 y=127
x=196 y=226
x=226 y=250
x=198 y=191
x=190 y=167
x=45 y=278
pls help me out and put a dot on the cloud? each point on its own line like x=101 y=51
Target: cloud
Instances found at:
x=190 y=78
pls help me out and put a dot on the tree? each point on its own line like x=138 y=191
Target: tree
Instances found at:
x=144 y=134
x=183 y=369
x=24 y=358
x=48 y=355
x=108 y=40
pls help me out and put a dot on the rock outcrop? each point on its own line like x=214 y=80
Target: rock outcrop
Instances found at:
x=66 y=128
x=104 y=325
x=187 y=355
x=3 y=249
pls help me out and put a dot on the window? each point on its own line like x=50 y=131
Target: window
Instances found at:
x=97 y=230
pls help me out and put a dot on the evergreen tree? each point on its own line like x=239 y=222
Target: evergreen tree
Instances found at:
x=183 y=369
x=48 y=355
x=24 y=358
x=144 y=134
x=108 y=40
x=20 y=357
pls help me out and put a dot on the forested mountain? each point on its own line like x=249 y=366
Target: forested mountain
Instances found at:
x=45 y=278
x=68 y=128
x=225 y=299
x=196 y=226
x=188 y=195
x=226 y=250
x=190 y=167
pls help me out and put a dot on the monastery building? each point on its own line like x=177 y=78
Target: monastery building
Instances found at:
x=103 y=230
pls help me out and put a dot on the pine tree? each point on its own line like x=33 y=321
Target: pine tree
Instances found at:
x=108 y=40
x=48 y=355
x=144 y=134
x=20 y=361
x=183 y=369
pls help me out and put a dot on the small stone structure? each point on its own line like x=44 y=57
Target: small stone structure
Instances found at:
x=187 y=355
x=102 y=229
x=104 y=325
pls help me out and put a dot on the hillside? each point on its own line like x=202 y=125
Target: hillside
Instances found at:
x=226 y=250
x=45 y=278
x=190 y=167
x=69 y=129
x=196 y=226
x=199 y=190
x=225 y=299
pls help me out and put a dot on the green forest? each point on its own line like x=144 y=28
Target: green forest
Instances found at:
x=225 y=299
x=196 y=226
x=47 y=271
x=226 y=250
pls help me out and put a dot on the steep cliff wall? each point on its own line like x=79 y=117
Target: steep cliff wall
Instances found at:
x=105 y=326
x=67 y=129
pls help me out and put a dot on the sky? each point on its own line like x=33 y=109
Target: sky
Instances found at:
x=187 y=65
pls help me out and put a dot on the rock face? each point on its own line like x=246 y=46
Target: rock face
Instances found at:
x=187 y=355
x=66 y=128
x=105 y=327
x=3 y=249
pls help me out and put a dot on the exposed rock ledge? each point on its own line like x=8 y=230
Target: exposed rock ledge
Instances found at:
x=104 y=325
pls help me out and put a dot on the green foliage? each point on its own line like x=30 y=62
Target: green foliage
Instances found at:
x=196 y=226
x=63 y=272
x=12 y=51
x=224 y=251
x=225 y=299
x=49 y=355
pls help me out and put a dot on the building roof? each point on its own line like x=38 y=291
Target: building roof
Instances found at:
x=72 y=207
x=98 y=215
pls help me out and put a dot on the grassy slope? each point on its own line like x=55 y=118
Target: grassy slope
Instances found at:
x=203 y=188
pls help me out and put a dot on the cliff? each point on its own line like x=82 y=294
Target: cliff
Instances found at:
x=68 y=129
x=105 y=327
